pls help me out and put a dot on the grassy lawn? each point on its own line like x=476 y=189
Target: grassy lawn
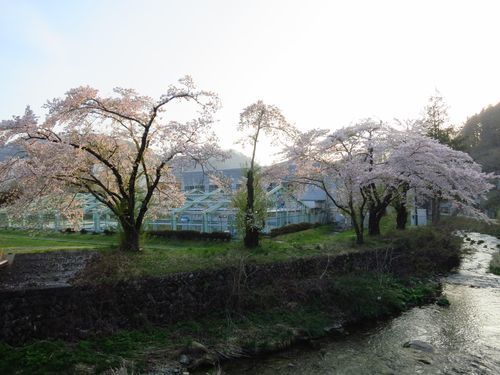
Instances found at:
x=19 y=241
x=165 y=256
x=160 y=256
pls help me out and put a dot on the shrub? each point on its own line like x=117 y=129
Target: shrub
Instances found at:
x=108 y=232
x=83 y=231
x=190 y=235
x=216 y=236
x=372 y=295
x=68 y=230
x=291 y=228
x=428 y=249
x=495 y=264
x=470 y=225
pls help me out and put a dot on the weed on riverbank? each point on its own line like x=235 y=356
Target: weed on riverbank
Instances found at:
x=495 y=264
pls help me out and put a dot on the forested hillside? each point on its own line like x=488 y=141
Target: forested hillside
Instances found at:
x=480 y=137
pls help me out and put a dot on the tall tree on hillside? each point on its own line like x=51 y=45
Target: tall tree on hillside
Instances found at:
x=257 y=120
x=121 y=149
x=436 y=122
x=436 y=126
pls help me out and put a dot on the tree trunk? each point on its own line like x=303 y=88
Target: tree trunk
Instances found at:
x=129 y=239
x=435 y=212
x=358 y=229
x=376 y=209
x=374 y=221
x=359 y=236
x=401 y=216
x=251 y=239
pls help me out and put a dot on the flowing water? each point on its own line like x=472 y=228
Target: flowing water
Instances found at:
x=465 y=337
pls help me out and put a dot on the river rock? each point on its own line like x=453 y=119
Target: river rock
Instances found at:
x=184 y=360
x=334 y=328
x=425 y=361
x=419 y=345
x=195 y=348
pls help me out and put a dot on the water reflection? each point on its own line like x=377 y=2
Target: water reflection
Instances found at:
x=465 y=336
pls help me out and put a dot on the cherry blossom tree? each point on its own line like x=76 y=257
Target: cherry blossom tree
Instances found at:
x=256 y=120
x=337 y=163
x=121 y=149
x=9 y=155
x=24 y=185
x=365 y=167
x=373 y=140
x=430 y=168
x=435 y=124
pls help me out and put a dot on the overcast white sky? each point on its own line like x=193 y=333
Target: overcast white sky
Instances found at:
x=325 y=63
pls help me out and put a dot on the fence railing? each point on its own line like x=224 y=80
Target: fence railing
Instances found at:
x=98 y=222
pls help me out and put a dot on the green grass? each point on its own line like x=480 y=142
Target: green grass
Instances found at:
x=160 y=256
x=33 y=241
x=138 y=349
x=20 y=241
x=371 y=295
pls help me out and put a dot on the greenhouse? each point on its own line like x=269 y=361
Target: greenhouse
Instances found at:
x=202 y=211
x=212 y=212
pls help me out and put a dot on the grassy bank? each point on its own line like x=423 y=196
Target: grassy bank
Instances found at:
x=160 y=257
x=470 y=225
x=495 y=264
x=229 y=335
x=451 y=223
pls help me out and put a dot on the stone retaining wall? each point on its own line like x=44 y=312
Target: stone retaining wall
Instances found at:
x=73 y=312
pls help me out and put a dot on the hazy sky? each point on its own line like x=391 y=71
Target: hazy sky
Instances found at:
x=325 y=63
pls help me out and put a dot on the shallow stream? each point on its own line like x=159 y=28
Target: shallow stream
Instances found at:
x=465 y=337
